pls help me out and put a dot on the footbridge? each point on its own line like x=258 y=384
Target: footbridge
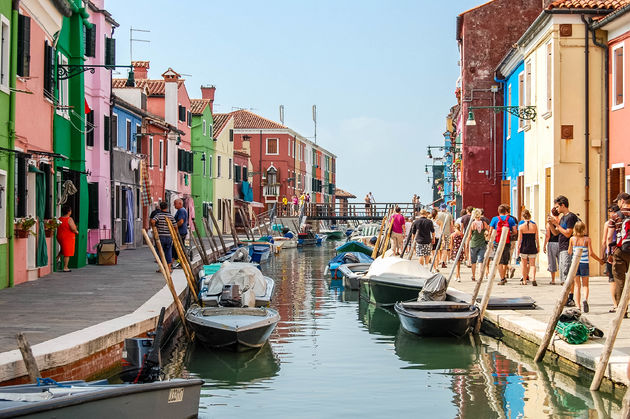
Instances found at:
x=344 y=211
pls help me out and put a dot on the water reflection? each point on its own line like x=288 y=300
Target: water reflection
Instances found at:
x=334 y=354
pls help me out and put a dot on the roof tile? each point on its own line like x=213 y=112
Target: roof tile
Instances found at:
x=154 y=87
x=198 y=105
x=589 y=4
x=219 y=121
x=248 y=120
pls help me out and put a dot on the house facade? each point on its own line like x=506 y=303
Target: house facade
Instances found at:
x=484 y=35
x=222 y=171
x=203 y=151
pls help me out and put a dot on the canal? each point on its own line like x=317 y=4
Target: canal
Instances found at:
x=335 y=355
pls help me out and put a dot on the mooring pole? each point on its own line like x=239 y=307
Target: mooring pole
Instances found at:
x=493 y=272
x=486 y=258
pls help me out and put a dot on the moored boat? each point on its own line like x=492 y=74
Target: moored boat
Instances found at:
x=232 y=328
x=437 y=318
x=352 y=274
x=309 y=239
x=332 y=234
x=345 y=258
x=260 y=251
x=235 y=283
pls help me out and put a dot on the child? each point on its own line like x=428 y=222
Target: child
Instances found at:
x=580 y=241
x=455 y=242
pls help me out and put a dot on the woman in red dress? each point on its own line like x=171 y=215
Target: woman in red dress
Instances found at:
x=66 y=235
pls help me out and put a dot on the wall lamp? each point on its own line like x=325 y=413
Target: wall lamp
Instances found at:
x=521 y=112
x=66 y=71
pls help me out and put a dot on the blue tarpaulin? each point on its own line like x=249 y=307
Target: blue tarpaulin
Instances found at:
x=248 y=193
x=130 y=217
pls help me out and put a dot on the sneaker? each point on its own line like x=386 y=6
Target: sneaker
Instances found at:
x=512 y=272
x=458 y=280
x=585 y=306
x=570 y=303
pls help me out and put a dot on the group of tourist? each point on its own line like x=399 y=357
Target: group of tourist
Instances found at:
x=293 y=207
x=439 y=238
x=160 y=217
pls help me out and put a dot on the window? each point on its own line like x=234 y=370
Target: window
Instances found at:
x=272 y=146
x=229 y=168
x=49 y=75
x=24 y=46
x=151 y=151
x=189 y=118
x=618 y=77
x=549 y=71
x=5 y=48
x=181 y=114
x=63 y=90
x=210 y=131
x=114 y=126
x=245 y=173
x=128 y=135
x=528 y=87
x=93 y=216
x=203 y=124
x=204 y=166
x=231 y=135
x=289 y=147
x=210 y=165
x=521 y=96
x=508 y=116
x=89 y=34
x=137 y=141
x=220 y=208
x=89 y=129
x=237 y=173
x=20 y=185
x=106 y=133
x=161 y=154
x=218 y=166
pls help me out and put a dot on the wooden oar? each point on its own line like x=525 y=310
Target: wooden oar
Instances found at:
x=386 y=242
x=161 y=262
x=204 y=257
x=219 y=233
x=378 y=239
x=183 y=259
x=227 y=211
x=213 y=245
x=199 y=246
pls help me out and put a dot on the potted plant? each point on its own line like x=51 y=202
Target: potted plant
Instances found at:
x=23 y=226
x=50 y=226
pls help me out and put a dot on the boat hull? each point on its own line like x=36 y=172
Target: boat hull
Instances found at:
x=162 y=399
x=437 y=323
x=334 y=235
x=236 y=329
x=387 y=292
x=259 y=253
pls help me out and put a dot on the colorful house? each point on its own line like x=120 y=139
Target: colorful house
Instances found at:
x=98 y=51
x=221 y=162
x=617 y=153
x=202 y=143
x=37 y=25
x=514 y=135
x=484 y=35
x=69 y=124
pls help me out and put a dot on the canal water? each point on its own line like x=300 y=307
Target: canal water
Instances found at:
x=333 y=355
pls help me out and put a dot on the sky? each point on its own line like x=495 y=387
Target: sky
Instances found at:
x=382 y=74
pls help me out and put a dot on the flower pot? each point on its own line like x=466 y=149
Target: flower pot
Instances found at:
x=49 y=233
x=21 y=234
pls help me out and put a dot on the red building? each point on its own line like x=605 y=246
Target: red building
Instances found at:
x=485 y=34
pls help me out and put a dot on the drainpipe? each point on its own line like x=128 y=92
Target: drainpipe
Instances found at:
x=586 y=122
x=607 y=109
x=10 y=189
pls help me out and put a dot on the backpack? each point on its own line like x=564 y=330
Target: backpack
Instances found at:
x=503 y=223
x=623 y=238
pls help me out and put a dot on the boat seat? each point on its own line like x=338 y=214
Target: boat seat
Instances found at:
x=436 y=306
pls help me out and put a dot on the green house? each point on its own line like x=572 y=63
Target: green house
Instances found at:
x=202 y=146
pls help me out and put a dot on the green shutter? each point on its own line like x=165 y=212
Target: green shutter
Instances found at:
x=106 y=130
x=90 y=40
x=24 y=46
x=110 y=52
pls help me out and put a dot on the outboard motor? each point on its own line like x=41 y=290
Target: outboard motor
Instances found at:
x=141 y=356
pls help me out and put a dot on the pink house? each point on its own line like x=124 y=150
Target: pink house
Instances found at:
x=39 y=21
x=97 y=124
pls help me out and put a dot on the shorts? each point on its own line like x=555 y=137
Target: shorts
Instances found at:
x=505 y=256
x=611 y=278
x=423 y=249
x=435 y=243
x=582 y=270
x=528 y=255
x=477 y=254
x=552 y=256
x=565 y=263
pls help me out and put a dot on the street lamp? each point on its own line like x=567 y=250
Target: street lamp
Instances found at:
x=521 y=112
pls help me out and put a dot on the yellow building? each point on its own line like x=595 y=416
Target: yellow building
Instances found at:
x=223 y=172
x=563 y=146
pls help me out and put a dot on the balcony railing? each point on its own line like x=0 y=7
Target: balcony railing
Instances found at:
x=271 y=190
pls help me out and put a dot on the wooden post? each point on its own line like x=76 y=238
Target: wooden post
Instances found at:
x=413 y=249
x=199 y=247
x=213 y=245
x=386 y=242
x=161 y=262
x=378 y=238
x=183 y=260
x=402 y=254
x=493 y=272
x=437 y=252
x=241 y=214
x=228 y=211
x=219 y=233
x=459 y=252
x=486 y=258
x=553 y=320
x=204 y=257
x=612 y=336
x=29 y=360
x=248 y=222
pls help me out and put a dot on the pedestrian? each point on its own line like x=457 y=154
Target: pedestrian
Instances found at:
x=285 y=202
x=66 y=236
x=620 y=260
x=438 y=235
x=581 y=241
x=527 y=246
x=458 y=220
x=465 y=220
x=398 y=230
x=294 y=202
x=497 y=223
x=476 y=242
x=456 y=239
x=424 y=232
x=160 y=221
x=156 y=209
x=608 y=246
x=513 y=240
x=181 y=221
x=445 y=219
x=564 y=228
x=550 y=247
x=368 y=205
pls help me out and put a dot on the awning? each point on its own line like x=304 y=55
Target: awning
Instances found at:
x=253 y=204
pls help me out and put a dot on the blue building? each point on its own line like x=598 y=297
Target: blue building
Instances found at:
x=512 y=69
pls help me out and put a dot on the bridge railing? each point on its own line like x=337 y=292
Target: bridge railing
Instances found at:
x=355 y=210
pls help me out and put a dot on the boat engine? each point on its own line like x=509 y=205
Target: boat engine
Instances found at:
x=141 y=356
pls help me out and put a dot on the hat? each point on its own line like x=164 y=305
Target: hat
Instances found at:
x=443 y=206
x=424 y=212
x=622 y=195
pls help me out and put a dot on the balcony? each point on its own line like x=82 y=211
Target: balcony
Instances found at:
x=271 y=190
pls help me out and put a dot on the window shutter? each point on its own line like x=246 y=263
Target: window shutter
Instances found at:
x=231 y=135
x=90 y=41
x=20 y=190
x=93 y=216
x=106 y=130
x=89 y=129
x=180 y=164
x=189 y=118
x=110 y=52
x=182 y=113
x=191 y=161
x=237 y=173
x=24 y=46
x=48 y=70
x=245 y=173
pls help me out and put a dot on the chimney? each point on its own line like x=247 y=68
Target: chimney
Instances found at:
x=171 y=106
x=207 y=92
x=140 y=69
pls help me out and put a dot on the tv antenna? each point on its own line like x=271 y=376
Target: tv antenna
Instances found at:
x=132 y=40
x=282 y=114
x=315 y=121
